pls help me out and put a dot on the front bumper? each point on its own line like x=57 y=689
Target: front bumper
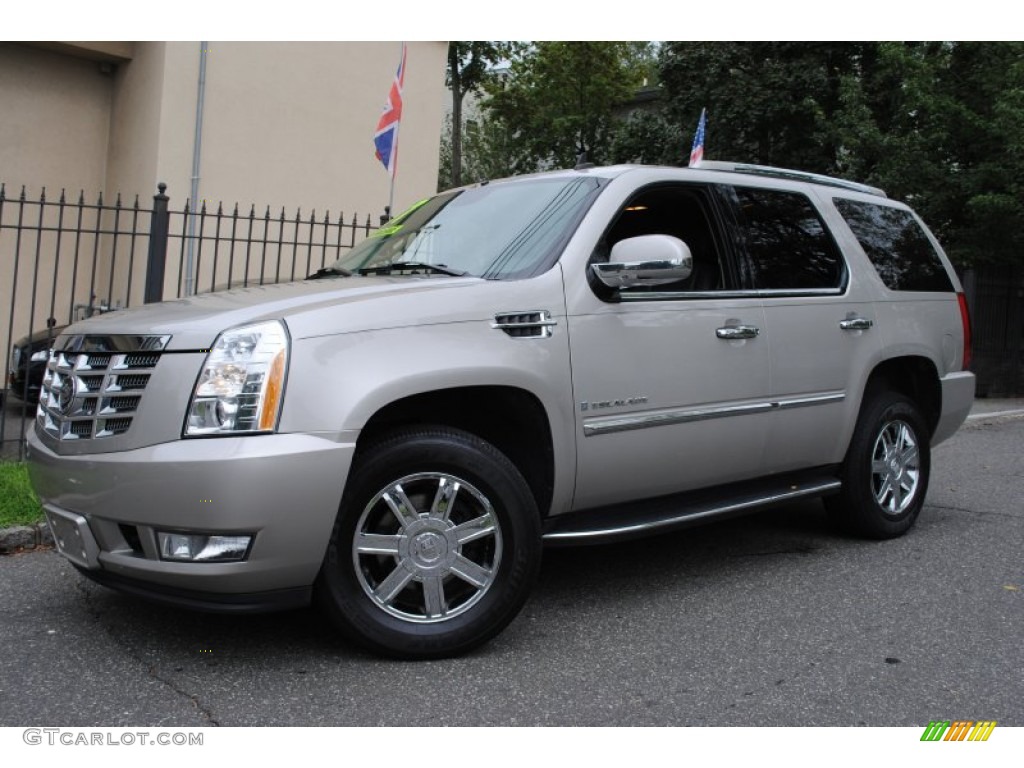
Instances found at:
x=283 y=489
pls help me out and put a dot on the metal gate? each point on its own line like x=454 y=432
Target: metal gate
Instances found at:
x=995 y=295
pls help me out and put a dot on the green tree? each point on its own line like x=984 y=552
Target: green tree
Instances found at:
x=768 y=103
x=486 y=151
x=941 y=125
x=559 y=99
x=470 y=65
x=652 y=138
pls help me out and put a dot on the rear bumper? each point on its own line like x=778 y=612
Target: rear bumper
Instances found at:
x=957 y=399
x=284 y=490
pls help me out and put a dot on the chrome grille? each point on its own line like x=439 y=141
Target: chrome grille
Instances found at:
x=92 y=394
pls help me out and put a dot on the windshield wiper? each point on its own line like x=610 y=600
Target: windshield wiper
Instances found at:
x=411 y=266
x=329 y=272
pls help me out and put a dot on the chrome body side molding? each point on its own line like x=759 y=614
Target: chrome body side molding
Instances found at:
x=603 y=425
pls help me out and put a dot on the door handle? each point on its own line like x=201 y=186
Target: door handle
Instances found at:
x=733 y=332
x=856 y=324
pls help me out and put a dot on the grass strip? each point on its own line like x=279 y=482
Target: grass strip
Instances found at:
x=18 y=502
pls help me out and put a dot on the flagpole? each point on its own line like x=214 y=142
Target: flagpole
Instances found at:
x=385 y=138
x=398 y=130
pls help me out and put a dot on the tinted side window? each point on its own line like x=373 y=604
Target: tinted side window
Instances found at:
x=901 y=252
x=787 y=242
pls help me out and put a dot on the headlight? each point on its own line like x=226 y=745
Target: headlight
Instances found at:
x=240 y=387
x=40 y=356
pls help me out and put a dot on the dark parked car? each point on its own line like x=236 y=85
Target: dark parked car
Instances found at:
x=30 y=353
x=28 y=363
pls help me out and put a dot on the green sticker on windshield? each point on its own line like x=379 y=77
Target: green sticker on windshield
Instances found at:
x=398 y=221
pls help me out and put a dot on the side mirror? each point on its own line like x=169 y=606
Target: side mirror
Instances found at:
x=645 y=260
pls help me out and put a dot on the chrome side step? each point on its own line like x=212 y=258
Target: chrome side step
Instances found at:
x=636 y=519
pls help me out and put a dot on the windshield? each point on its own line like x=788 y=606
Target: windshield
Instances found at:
x=500 y=231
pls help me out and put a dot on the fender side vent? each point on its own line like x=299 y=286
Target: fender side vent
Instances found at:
x=532 y=324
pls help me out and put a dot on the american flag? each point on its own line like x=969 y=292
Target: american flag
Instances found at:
x=697 y=152
x=386 y=137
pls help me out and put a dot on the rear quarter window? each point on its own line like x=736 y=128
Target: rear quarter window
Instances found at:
x=897 y=246
x=787 y=243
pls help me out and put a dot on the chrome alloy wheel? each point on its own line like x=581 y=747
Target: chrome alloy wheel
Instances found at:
x=895 y=467
x=427 y=547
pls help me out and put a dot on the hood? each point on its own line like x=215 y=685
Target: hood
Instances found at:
x=310 y=308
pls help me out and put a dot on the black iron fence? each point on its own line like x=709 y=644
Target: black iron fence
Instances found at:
x=65 y=259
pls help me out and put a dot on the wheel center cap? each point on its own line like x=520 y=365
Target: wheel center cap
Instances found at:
x=428 y=548
x=894 y=465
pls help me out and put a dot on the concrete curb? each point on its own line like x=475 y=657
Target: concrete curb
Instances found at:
x=25 y=537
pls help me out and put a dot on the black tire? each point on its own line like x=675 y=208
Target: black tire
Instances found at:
x=458 y=583
x=886 y=470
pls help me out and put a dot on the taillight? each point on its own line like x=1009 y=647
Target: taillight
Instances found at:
x=965 y=317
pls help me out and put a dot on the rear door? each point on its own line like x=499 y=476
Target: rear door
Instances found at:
x=820 y=324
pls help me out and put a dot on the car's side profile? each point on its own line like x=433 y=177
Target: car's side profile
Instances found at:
x=556 y=359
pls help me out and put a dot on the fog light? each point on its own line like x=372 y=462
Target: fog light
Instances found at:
x=202 y=548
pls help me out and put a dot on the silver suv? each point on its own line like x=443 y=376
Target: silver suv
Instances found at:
x=563 y=358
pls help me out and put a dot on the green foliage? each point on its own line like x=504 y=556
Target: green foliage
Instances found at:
x=768 y=103
x=471 y=66
x=559 y=100
x=940 y=125
x=652 y=138
x=18 y=502
x=486 y=152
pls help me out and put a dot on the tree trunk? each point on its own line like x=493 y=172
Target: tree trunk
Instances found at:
x=457 y=94
x=456 y=138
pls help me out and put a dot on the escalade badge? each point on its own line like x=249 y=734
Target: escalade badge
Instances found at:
x=596 y=405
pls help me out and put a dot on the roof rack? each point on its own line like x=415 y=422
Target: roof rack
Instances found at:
x=785 y=173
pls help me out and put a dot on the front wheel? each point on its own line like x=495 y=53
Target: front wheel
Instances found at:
x=435 y=548
x=885 y=474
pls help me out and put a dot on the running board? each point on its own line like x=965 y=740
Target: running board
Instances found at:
x=643 y=518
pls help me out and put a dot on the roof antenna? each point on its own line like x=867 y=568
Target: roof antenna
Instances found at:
x=581 y=162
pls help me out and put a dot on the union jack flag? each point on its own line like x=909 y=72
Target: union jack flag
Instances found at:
x=386 y=137
x=697 y=152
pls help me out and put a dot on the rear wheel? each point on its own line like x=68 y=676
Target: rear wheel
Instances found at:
x=885 y=474
x=436 y=545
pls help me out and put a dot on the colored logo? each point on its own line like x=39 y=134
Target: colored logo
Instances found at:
x=958 y=730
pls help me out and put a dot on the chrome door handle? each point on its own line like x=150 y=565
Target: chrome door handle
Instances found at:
x=856 y=324
x=733 y=332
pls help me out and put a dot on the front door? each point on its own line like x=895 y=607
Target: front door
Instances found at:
x=670 y=383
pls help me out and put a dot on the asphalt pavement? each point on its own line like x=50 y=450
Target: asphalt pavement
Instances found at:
x=769 y=620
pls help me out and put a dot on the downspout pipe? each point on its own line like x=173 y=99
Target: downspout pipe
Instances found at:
x=197 y=145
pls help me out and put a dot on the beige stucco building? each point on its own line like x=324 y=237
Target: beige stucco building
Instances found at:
x=284 y=125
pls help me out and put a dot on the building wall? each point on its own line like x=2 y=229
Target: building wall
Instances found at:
x=284 y=124
x=305 y=114
x=135 y=127
x=54 y=122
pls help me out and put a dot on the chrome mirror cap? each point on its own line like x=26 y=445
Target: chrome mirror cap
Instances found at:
x=645 y=260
